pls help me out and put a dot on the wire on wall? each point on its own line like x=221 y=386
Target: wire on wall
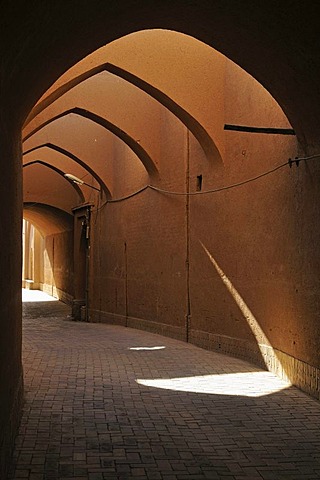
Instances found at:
x=289 y=163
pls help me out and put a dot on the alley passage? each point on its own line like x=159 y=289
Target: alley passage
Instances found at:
x=106 y=402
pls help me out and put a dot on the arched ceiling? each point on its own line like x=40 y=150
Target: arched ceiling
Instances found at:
x=48 y=220
x=135 y=146
x=68 y=162
x=257 y=35
x=80 y=73
x=58 y=171
x=45 y=184
x=97 y=108
x=85 y=147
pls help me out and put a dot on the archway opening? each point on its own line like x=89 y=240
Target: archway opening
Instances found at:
x=201 y=123
x=48 y=251
x=254 y=38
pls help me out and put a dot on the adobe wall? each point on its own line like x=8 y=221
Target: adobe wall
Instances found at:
x=138 y=259
x=152 y=254
x=260 y=236
x=58 y=266
x=11 y=381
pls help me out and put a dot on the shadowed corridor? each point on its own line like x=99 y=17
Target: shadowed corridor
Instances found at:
x=165 y=159
x=108 y=402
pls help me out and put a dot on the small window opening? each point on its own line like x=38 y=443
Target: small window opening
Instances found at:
x=199 y=183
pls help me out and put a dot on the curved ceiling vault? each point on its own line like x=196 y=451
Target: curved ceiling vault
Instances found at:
x=95 y=146
x=184 y=116
x=244 y=33
x=189 y=84
x=74 y=158
x=181 y=72
x=141 y=153
x=59 y=172
x=47 y=219
x=43 y=115
x=45 y=184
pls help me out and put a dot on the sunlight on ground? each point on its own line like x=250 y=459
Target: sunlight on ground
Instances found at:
x=147 y=348
x=36 y=296
x=250 y=384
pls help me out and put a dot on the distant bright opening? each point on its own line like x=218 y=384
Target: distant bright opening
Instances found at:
x=249 y=384
x=36 y=296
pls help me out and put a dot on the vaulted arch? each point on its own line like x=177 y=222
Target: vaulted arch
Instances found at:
x=188 y=120
x=247 y=37
x=60 y=172
x=135 y=147
x=73 y=157
x=48 y=220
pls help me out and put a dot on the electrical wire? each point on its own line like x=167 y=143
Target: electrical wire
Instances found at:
x=299 y=159
x=129 y=196
x=219 y=189
x=121 y=199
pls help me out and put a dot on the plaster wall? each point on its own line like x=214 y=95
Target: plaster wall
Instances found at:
x=247 y=230
x=58 y=266
x=138 y=272
x=32 y=248
x=151 y=265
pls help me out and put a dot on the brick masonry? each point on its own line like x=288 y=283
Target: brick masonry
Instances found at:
x=103 y=403
x=304 y=376
x=7 y=435
x=139 y=323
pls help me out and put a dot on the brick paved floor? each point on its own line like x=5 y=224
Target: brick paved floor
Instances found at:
x=194 y=415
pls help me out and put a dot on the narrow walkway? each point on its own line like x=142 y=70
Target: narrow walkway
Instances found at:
x=106 y=402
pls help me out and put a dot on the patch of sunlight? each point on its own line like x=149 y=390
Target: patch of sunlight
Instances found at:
x=249 y=384
x=36 y=296
x=147 y=348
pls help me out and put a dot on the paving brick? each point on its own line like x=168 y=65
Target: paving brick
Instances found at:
x=97 y=410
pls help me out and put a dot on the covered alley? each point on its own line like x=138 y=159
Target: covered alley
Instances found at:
x=108 y=402
x=160 y=179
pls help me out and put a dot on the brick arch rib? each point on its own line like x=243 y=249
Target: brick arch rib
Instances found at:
x=60 y=172
x=76 y=159
x=141 y=153
x=200 y=133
